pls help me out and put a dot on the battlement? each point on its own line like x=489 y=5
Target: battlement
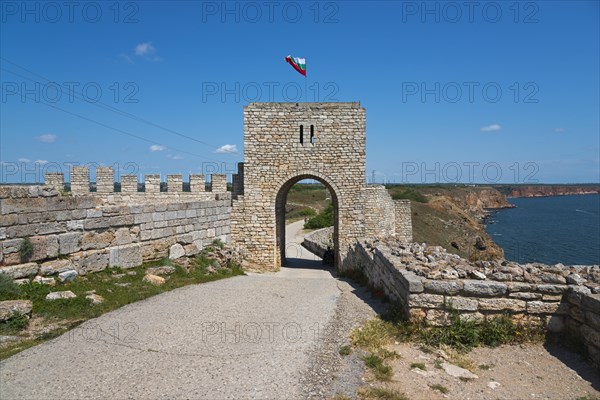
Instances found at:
x=105 y=182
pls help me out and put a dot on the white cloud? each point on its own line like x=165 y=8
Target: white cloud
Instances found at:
x=559 y=130
x=144 y=49
x=47 y=138
x=41 y=161
x=175 y=157
x=25 y=160
x=490 y=128
x=227 y=148
x=156 y=147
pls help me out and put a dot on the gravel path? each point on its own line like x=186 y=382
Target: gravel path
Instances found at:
x=268 y=336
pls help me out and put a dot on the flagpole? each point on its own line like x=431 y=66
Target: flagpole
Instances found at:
x=305 y=89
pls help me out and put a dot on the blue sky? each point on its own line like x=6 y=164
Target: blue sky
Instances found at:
x=455 y=91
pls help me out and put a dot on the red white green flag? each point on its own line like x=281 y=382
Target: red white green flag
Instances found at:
x=299 y=64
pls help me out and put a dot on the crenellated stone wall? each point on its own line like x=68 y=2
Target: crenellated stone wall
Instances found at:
x=89 y=231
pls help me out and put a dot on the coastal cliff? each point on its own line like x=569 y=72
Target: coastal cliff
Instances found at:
x=547 y=190
x=453 y=216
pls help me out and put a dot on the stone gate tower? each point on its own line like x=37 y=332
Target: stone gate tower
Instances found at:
x=288 y=142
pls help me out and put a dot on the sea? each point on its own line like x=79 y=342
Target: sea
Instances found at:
x=549 y=230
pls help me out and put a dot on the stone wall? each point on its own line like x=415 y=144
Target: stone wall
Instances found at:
x=380 y=219
x=427 y=282
x=583 y=321
x=403 y=216
x=88 y=232
x=287 y=142
x=316 y=242
x=283 y=144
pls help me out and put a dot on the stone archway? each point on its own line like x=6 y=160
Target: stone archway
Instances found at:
x=280 y=202
x=284 y=142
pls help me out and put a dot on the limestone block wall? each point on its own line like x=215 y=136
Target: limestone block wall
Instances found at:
x=563 y=299
x=583 y=321
x=316 y=242
x=287 y=142
x=91 y=231
x=380 y=218
x=403 y=221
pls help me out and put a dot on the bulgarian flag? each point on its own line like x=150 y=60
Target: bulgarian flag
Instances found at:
x=299 y=64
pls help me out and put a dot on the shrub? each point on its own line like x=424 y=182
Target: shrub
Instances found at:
x=26 y=249
x=410 y=194
x=14 y=323
x=9 y=290
x=321 y=220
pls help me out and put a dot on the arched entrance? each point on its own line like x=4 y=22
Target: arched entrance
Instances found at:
x=283 y=144
x=280 y=203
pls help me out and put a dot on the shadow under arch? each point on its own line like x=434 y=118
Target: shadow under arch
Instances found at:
x=281 y=199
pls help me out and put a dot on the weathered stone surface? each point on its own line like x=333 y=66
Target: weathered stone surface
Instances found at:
x=44 y=281
x=593 y=320
x=483 y=288
x=126 y=256
x=501 y=304
x=55 y=266
x=67 y=276
x=122 y=237
x=438 y=317
x=95 y=298
x=478 y=275
x=90 y=261
x=591 y=335
x=163 y=270
x=96 y=240
x=443 y=287
x=540 y=307
x=554 y=279
x=575 y=279
x=525 y=296
x=154 y=279
x=67 y=294
x=10 y=307
x=20 y=270
x=426 y=300
x=458 y=372
x=69 y=242
x=176 y=251
x=592 y=303
x=462 y=303
x=552 y=289
x=191 y=250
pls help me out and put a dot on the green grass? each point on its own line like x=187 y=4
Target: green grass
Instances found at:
x=345 y=350
x=9 y=290
x=463 y=335
x=439 y=388
x=105 y=284
x=14 y=324
x=407 y=193
x=380 y=394
x=420 y=366
x=381 y=370
x=373 y=335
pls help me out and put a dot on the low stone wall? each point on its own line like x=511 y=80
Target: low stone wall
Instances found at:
x=92 y=231
x=316 y=242
x=583 y=321
x=427 y=283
